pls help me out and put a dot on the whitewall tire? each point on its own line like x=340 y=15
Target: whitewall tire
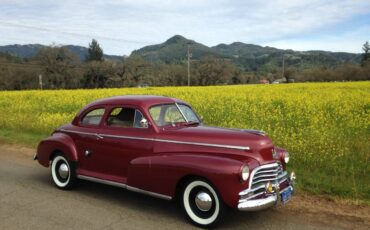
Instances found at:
x=62 y=172
x=202 y=203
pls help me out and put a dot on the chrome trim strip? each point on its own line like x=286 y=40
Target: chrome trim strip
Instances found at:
x=127 y=137
x=77 y=132
x=257 y=188
x=283 y=180
x=261 y=180
x=253 y=131
x=161 y=140
x=284 y=174
x=121 y=185
x=165 y=197
x=178 y=107
x=263 y=176
x=204 y=144
x=107 y=182
x=251 y=197
x=266 y=171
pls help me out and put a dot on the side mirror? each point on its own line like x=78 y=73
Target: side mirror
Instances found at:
x=144 y=123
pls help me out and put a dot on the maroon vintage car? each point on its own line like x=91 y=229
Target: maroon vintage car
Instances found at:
x=158 y=146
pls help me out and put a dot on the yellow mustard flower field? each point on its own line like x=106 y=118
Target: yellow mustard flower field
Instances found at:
x=324 y=126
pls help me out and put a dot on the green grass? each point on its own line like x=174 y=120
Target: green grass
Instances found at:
x=28 y=139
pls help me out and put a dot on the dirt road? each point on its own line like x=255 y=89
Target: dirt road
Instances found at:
x=29 y=200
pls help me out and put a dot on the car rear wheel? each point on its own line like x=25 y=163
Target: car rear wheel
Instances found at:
x=62 y=172
x=202 y=203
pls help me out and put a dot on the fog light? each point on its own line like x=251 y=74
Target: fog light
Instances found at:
x=293 y=177
x=269 y=187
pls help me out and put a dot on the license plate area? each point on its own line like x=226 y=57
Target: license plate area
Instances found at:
x=286 y=195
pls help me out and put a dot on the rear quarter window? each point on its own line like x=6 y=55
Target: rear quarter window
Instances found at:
x=93 y=117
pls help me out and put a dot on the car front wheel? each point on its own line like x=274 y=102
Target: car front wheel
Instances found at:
x=62 y=172
x=202 y=204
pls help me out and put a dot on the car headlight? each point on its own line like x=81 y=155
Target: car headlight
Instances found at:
x=245 y=173
x=286 y=157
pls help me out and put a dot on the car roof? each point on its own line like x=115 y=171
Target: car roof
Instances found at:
x=145 y=101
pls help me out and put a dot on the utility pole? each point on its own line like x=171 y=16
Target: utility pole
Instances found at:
x=189 y=56
x=40 y=81
x=283 y=67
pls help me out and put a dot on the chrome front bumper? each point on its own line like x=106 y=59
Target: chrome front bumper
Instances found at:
x=250 y=203
x=263 y=203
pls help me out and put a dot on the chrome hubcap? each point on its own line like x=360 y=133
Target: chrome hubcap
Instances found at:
x=63 y=171
x=203 y=201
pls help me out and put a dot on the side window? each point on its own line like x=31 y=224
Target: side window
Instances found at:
x=125 y=118
x=93 y=117
x=138 y=118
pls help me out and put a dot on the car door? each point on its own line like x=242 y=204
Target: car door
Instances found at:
x=88 y=142
x=123 y=139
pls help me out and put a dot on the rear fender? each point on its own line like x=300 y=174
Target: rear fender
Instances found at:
x=58 y=142
x=162 y=174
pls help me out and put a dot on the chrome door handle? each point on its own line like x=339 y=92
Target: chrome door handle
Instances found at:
x=98 y=136
x=88 y=152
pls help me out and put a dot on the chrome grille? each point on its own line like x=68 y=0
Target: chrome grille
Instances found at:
x=263 y=174
x=260 y=176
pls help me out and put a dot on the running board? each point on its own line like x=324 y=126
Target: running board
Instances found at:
x=116 y=184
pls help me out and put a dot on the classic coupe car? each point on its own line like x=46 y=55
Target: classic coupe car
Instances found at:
x=158 y=146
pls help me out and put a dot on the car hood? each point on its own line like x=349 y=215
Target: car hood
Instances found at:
x=257 y=145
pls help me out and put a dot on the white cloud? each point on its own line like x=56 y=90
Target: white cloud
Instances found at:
x=348 y=42
x=123 y=25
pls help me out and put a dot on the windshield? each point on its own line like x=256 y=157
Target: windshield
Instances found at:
x=167 y=114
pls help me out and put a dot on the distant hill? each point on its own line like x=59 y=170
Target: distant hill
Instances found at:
x=248 y=57
x=174 y=50
x=30 y=50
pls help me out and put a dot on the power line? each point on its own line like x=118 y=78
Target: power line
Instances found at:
x=31 y=27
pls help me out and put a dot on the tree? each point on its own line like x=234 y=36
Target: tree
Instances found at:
x=95 y=53
x=288 y=74
x=212 y=71
x=366 y=54
x=58 y=65
x=96 y=74
x=134 y=71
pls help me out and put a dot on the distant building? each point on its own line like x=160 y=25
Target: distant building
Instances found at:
x=283 y=80
x=264 y=81
x=143 y=85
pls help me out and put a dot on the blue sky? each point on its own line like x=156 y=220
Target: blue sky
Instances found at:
x=121 y=26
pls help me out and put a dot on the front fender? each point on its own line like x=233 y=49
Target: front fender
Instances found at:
x=161 y=174
x=58 y=142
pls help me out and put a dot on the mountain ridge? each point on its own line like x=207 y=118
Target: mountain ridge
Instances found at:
x=249 y=57
x=30 y=50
